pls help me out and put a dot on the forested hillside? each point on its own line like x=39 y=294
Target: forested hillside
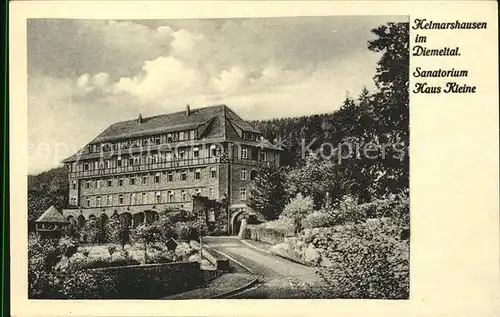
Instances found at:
x=46 y=189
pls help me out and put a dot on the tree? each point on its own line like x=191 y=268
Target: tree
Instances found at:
x=117 y=231
x=166 y=224
x=148 y=235
x=320 y=178
x=46 y=189
x=391 y=104
x=268 y=195
x=297 y=209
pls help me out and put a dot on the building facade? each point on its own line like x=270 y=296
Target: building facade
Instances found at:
x=141 y=167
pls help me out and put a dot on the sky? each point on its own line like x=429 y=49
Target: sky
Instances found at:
x=84 y=75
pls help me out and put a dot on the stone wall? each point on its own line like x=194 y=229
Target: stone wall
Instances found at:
x=151 y=281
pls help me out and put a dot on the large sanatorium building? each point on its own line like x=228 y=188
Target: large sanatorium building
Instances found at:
x=140 y=167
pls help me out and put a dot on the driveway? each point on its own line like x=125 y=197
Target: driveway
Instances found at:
x=281 y=278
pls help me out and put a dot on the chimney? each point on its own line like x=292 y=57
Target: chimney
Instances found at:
x=139 y=119
x=188 y=110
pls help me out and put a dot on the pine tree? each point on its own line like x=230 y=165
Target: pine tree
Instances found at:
x=268 y=195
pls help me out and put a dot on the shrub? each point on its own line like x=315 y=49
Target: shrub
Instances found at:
x=318 y=219
x=297 y=209
x=68 y=246
x=43 y=255
x=368 y=260
x=189 y=230
x=263 y=234
x=83 y=284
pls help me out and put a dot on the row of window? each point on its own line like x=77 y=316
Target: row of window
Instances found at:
x=154 y=140
x=170 y=196
x=167 y=156
x=146 y=178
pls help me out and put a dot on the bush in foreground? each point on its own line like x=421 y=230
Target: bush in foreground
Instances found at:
x=368 y=260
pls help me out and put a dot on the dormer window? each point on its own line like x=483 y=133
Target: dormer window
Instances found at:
x=169 y=137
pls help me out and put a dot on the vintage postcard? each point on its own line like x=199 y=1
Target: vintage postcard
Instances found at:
x=254 y=158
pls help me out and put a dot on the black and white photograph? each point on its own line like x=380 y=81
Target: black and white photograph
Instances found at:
x=218 y=158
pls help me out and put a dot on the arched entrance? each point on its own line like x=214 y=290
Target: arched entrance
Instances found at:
x=126 y=218
x=236 y=218
x=138 y=218
x=151 y=216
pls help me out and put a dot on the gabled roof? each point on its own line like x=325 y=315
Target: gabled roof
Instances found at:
x=51 y=215
x=212 y=123
x=176 y=121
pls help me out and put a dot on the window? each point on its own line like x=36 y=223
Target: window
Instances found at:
x=145 y=180
x=158 y=197
x=110 y=182
x=182 y=153
x=184 y=195
x=170 y=196
x=120 y=182
x=157 y=178
x=120 y=200
x=213 y=172
x=88 y=202
x=170 y=177
x=130 y=161
x=191 y=134
x=110 y=200
x=85 y=166
x=87 y=184
x=108 y=164
x=197 y=191
x=196 y=152
x=168 y=155
x=211 y=193
x=98 y=201
x=243 y=193
x=155 y=158
x=73 y=185
x=169 y=137
x=183 y=176
x=253 y=175
x=73 y=200
x=144 y=198
x=133 y=199
x=263 y=156
x=244 y=153
x=243 y=174
x=211 y=215
x=213 y=150
x=132 y=180
x=96 y=165
x=119 y=162
x=157 y=140
x=197 y=174
x=181 y=136
x=99 y=183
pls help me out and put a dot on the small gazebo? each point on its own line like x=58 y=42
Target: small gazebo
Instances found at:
x=51 y=222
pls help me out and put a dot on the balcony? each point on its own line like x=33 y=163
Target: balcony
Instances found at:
x=152 y=167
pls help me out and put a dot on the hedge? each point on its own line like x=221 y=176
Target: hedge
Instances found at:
x=132 y=282
x=262 y=234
